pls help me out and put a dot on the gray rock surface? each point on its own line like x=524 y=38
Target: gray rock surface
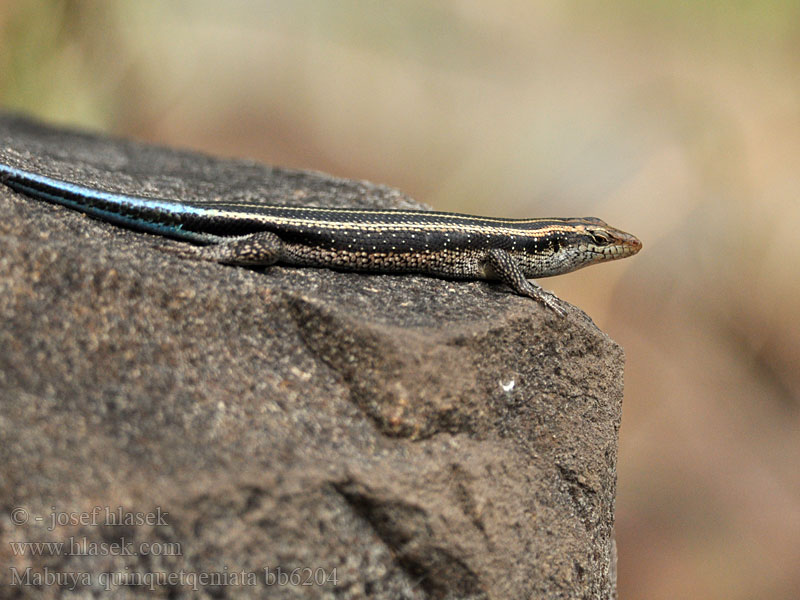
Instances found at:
x=418 y=438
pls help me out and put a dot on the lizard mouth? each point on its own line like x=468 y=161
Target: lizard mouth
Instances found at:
x=624 y=245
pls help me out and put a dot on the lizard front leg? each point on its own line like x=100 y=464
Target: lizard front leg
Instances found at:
x=506 y=269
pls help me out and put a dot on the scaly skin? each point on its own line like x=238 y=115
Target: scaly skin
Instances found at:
x=438 y=244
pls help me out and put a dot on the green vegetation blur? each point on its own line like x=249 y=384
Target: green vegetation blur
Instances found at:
x=678 y=121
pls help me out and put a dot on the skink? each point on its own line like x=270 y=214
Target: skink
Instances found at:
x=437 y=244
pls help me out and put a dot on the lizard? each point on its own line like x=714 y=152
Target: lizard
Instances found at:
x=438 y=244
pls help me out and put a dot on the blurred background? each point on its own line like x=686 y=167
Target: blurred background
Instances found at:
x=677 y=121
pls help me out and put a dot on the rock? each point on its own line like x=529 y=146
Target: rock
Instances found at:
x=376 y=436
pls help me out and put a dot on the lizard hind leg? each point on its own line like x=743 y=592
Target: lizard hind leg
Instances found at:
x=263 y=248
x=506 y=269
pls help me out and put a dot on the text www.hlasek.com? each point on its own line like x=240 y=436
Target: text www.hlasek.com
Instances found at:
x=83 y=547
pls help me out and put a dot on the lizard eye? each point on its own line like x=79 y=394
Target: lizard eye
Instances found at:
x=598 y=238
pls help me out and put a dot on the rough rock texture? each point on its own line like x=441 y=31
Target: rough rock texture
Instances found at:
x=414 y=437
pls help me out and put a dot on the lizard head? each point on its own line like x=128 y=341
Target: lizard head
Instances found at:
x=570 y=244
x=602 y=242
